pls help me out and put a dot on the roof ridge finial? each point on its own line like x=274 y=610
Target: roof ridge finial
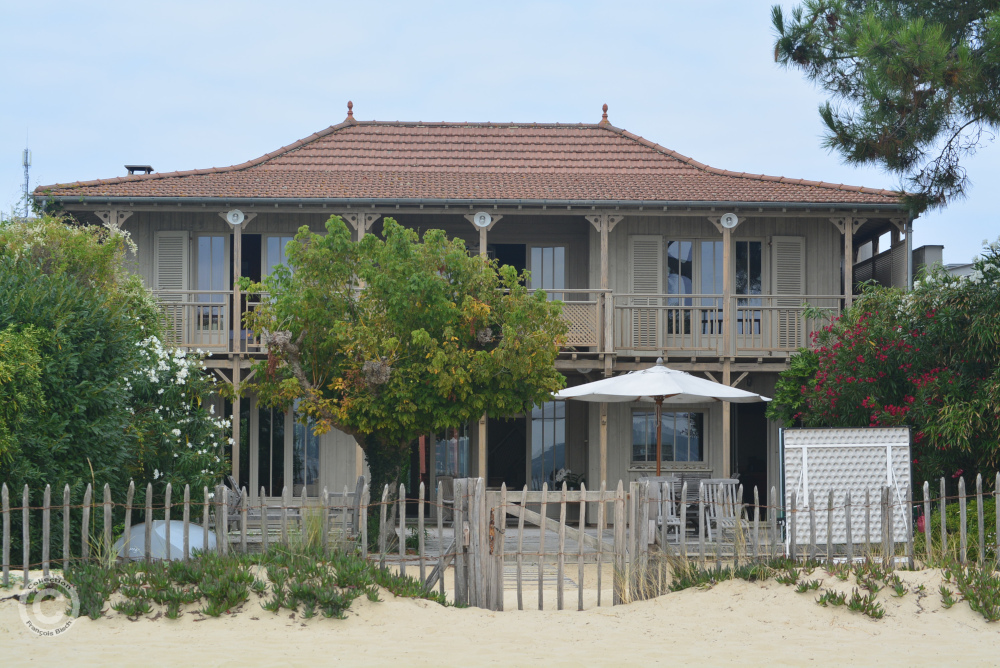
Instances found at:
x=350 y=111
x=604 y=116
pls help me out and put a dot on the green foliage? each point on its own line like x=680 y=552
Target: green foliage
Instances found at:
x=400 y=336
x=928 y=359
x=953 y=523
x=914 y=84
x=87 y=392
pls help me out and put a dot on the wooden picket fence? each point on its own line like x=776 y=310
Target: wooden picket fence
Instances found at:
x=618 y=527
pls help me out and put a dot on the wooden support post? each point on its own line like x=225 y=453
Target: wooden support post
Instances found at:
x=848 y=226
x=237 y=337
x=481 y=448
x=244 y=502
x=727 y=420
x=580 y=542
x=461 y=571
x=602 y=450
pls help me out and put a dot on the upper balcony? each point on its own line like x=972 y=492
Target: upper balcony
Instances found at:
x=600 y=323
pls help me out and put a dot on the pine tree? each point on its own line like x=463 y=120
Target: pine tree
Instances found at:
x=914 y=85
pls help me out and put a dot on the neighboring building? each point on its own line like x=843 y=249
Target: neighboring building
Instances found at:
x=629 y=234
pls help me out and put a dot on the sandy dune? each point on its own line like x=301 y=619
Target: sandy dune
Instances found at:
x=733 y=622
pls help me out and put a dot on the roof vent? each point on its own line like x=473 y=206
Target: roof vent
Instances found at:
x=142 y=169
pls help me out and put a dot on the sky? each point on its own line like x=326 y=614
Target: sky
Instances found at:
x=184 y=85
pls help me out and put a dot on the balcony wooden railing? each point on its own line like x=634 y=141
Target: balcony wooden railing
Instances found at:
x=762 y=325
x=636 y=324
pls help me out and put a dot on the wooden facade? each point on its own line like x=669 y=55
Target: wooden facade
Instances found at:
x=653 y=255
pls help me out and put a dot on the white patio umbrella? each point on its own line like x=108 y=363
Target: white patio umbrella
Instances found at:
x=660 y=385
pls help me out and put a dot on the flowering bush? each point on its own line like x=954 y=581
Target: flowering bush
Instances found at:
x=928 y=358
x=94 y=397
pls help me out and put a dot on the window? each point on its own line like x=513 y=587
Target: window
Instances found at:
x=682 y=436
x=548 y=270
x=274 y=254
x=270 y=450
x=711 y=284
x=548 y=442
x=451 y=452
x=211 y=270
x=305 y=457
x=749 y=278
x=680 y=281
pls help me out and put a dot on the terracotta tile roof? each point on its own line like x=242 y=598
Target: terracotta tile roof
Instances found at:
x=474 y=161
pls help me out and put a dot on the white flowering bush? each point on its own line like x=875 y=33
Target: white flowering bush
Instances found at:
x=183 y=441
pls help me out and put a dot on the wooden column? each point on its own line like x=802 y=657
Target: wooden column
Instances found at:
x=604 y=223
x=361 y=221
x=481 y=448
x=848 y=225
x=602 y=450
x=236 y=420
x=727 y=426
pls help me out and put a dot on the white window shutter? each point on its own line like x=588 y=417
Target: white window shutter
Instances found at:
x=170 y=274
x=645 y=278
x=788 y=282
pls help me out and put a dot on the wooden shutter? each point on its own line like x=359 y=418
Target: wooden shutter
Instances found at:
x=788 y=282
x=899 y=272
x=170 y=280
x=645 y=278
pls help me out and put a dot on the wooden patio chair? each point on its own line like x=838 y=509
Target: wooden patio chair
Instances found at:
x=663 y=488
x=723 y=511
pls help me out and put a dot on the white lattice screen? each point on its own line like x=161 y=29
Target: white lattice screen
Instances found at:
x=856 y=460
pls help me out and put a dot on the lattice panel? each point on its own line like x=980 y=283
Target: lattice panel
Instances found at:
x=582 y=320
x=842 y=460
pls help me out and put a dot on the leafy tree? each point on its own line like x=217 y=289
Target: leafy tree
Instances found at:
x=395 y=337
x=929 y=359
x=88 y=394
x=915 y=83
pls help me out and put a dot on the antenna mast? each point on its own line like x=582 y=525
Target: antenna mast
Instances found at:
x=26 y=162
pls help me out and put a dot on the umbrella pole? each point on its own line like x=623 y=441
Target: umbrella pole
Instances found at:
x=659 y=435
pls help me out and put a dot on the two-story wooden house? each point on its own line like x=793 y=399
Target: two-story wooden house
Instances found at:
x=653 y=253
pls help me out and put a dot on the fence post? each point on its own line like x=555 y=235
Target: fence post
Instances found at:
x=682 y=532
x=420 y=532
x=46 y=516
x=561 y=559
x=66 y=519
x=963 y=536
x=439 y=511
x=5 y=504
x=85 y=535
x=996 y=500
x=701 y=525
x=458 y=521
x=772 y=521
x=580 y=541
x=944 y=521
x=829 y=527
x=147 y=551
x=222 y=517
x=908 y=517
x=265 y=530
x=617 y=597
x=166 y=519
x=543 y=511
x=979 y=517
x=204 y=519
x=25 y=536
x=756 y=522
x=325 y=513
x=244 y=501
x=127 y=536
x=927 y=521
x=363 y=512
x=401 y=503
x=381 y=528
x=284 y=515
x=868 y=522
x=107 y=521
x=186 y=553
